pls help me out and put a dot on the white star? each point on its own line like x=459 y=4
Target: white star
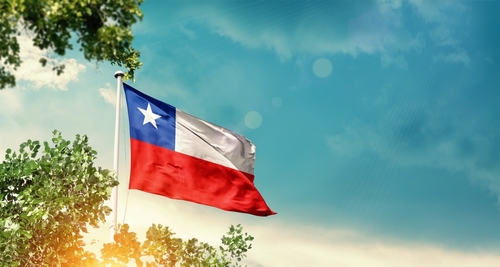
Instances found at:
x=149 y=116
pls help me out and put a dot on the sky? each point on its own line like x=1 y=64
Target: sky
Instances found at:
x=376 y=123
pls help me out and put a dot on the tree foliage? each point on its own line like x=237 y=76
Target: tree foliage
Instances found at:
x=50 y=194
x=102 y=28
x=161 y=249
x=47 y=201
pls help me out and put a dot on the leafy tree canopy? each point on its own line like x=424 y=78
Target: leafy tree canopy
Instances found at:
x=50 y=194
x=47 y=201
x=161 y=249
x=102 y=29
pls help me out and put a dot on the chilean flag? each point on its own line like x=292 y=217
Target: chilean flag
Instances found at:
x=179 y=156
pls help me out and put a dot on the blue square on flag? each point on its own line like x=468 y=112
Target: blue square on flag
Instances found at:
x=151 y=121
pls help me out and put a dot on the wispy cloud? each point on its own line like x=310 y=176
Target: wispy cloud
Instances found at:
x=356 y=139
x=37 y=76
x=360 y=31
x=390 y=10
x=432 y=139
x=437 y=11
x=444 y=35
x=322 y=247
x=460 y=56
x=398 y=61
x=11 y=101
x=446 y=32
x=109 y=94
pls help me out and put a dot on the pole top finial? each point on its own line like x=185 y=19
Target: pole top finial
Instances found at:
x=119 y=74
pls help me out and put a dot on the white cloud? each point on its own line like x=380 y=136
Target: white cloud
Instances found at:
x=328 y=29
x=433 y=139
x=32 y=71
x=444 y=14
x=382 y=99
x=460 y=56
x=389 y=4
x=325 y=247
x=11 y=101
x=444 y=35
x=188 y=32
x=398 y=61
x=391 y=11
x=437 y=11
x=109 y=94
x=489 y=60
x=266 y=38
x=429 y=10
x=326 y=33
x=369 y=33
x=356 y=138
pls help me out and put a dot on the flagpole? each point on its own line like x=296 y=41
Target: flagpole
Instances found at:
x=114 y=192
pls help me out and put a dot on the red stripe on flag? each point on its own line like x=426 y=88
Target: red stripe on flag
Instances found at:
x=175 y=175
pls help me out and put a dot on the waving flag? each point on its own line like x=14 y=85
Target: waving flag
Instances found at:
x=179 y=156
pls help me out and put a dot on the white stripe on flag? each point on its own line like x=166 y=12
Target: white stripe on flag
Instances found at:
x=204 y=140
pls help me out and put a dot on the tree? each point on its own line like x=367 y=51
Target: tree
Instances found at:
x=47 y=202
x=101 y=27
x=161 y=249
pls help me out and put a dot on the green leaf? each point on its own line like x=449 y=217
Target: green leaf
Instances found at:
x=50 y=202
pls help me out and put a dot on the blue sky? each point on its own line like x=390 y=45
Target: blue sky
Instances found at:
x=376 y=122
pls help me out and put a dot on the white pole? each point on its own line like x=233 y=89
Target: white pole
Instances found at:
x=114 y=192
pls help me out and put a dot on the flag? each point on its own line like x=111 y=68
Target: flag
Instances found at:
x=176 y=155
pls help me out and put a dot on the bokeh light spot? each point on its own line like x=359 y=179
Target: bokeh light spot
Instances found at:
x=253 y=120
x=322 y=67
x=277 y=102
